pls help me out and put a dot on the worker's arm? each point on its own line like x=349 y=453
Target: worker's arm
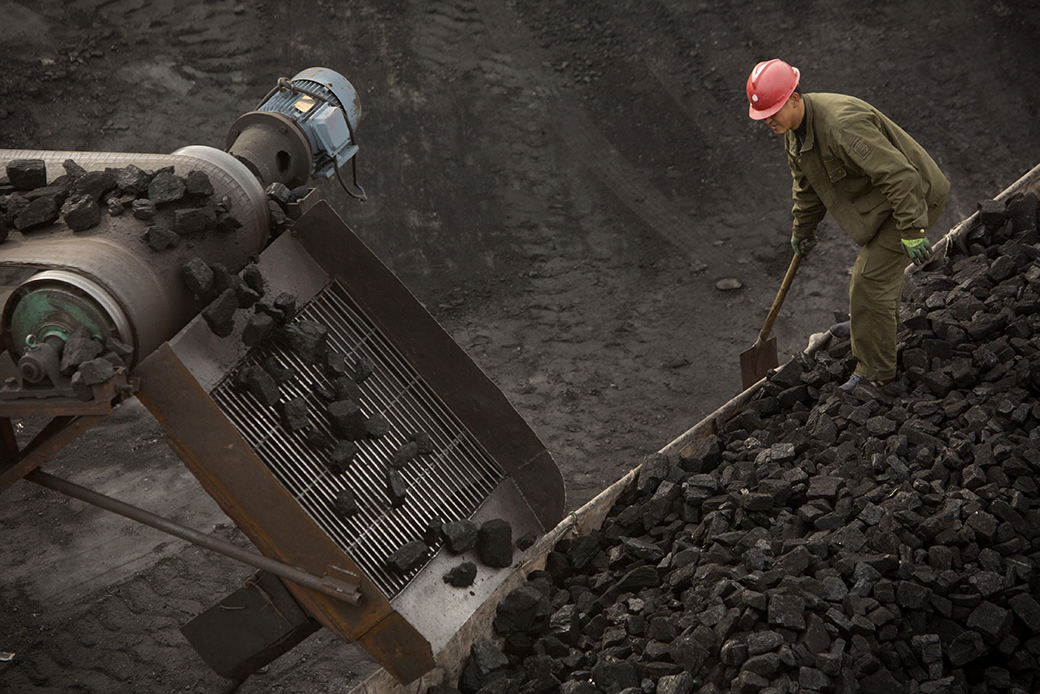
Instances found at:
x=808 y=209
x=865 y=147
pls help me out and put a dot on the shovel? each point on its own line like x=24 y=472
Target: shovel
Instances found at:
x=761 y=357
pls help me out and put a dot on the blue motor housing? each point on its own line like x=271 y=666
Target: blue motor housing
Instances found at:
x=325 y=106
x=304 y=128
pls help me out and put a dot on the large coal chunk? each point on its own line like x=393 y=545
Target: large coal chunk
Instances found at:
x=59 y=194
x=93 y=184
x=612 y=675
x=26 y=174
x=259 y=384
x=318 y=439
x=81 y=212
x=38 y=213
x=495 y=543
x=342 y=455
x=198 y=276
x=160 y=238
x=346 y=389
x=79 y=348
x=197 y=184
x=423 y=442
x=377 y=425
x=295 y=414
x=143 y=209
x=166 y=187
x=524 y=609
x=132 y=180
x=1021 y=211
x=346 y=503
x=461 y=576
x=364 y=368
x=347 y=421
x=397 y=488
x=285 y=305
x=258 y=328
x=246 y=296
x=220 y=313
x=309 y=340
x=432 y=532
x=485 y=666
x=253 y=278
x=408 y=557
x=460 y=536
x=404 y=455
x=96 y=371
x=281 y=374
x=222 y=278
x=194 y=220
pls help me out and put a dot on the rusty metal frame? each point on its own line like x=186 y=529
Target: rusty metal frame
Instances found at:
x=176 y=380
x=70 y=418
x=229 y=471
x=104 y=398
x=63 y=429
x=58 y=433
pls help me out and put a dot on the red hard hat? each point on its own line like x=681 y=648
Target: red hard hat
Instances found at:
x=769 y=87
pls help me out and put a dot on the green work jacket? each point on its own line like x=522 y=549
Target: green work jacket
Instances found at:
x=861 y=167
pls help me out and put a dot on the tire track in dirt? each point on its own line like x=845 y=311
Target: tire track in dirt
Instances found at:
x=176 y=51
x=597 y=153
x=583 y=277
x=632 y=185
x=576 y=128
x=463 y=41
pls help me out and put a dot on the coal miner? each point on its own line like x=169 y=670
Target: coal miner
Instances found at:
x=881 y=187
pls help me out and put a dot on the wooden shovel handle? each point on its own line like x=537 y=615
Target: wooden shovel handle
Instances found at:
x=778 y=302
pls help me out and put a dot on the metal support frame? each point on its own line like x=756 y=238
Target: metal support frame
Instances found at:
x=57 y=434
x=70 y=418
x=332 y=587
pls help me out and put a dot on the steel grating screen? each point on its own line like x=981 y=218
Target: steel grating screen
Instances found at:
x=450 y=483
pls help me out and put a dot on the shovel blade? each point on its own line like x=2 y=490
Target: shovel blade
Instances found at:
x=756 y=362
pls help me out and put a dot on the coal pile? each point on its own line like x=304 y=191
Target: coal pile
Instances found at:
x=886 y=540
x=170 y=207
x=88 y=361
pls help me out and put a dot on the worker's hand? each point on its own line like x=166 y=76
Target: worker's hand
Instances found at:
x=919 y=250
x=803 y=247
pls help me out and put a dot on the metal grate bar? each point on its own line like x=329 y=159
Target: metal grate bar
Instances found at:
x=450 y=483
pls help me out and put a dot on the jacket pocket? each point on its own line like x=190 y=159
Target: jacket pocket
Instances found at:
x=835 y=169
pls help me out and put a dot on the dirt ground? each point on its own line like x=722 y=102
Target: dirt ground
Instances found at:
x=561 y=182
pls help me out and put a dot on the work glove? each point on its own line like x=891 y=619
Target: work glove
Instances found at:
x=803 y=247
x=919 y=250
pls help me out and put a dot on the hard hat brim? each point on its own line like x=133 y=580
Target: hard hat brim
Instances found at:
x=756 y=114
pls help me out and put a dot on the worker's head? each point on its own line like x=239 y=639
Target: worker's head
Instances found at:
x=772 y=90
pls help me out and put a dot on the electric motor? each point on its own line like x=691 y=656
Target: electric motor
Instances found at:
x=305 y=125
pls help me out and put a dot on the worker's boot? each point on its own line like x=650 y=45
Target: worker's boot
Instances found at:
x=850 y=385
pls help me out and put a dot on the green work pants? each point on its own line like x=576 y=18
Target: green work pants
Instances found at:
x=874 y=297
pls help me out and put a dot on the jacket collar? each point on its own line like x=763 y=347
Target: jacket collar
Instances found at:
x=810 y=136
